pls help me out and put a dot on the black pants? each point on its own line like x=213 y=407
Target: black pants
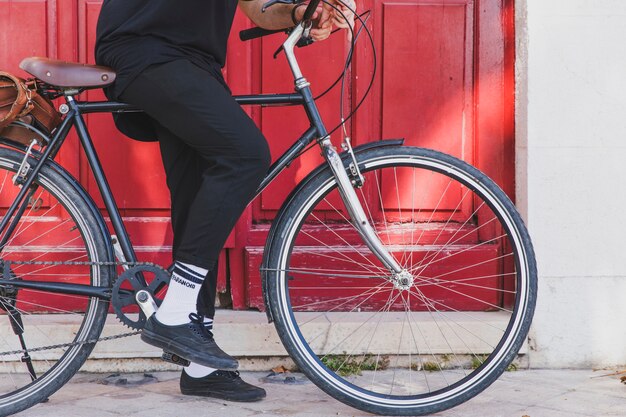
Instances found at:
x=214 y=157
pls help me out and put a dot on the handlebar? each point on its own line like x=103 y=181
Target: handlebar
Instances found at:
x=253 y=33
x=310 y=9
x=257 y=32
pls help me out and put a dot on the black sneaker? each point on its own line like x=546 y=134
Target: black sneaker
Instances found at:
x=226 y=385
x=191 y=341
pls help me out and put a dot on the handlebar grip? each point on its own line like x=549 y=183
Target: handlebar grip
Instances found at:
x=310 y=9
x=253 y=33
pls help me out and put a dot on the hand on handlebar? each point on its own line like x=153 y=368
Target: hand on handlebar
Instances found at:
x=341 y=15
x=322 y=22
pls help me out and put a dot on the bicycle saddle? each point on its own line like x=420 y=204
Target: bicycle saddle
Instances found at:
x=68 y=74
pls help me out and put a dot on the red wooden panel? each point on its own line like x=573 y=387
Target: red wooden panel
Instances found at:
x=345 y=240
x=445 y=81
x=495 y=94
x=134 y=169
x=239 y=59
x=427 y=75
x=38 y=301
x=426 y=92
x=310 y=292
x=321 y=64
x=28 y=29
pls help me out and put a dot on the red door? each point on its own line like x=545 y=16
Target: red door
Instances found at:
x=444 y=81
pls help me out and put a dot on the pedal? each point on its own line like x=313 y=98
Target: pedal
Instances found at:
x=174 y=358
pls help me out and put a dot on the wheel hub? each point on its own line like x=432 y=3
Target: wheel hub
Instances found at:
x=7 y=293
x=403 y=280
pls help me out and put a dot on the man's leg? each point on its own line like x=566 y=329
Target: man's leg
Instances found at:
x=184 y=169
x=184 y=173
x=195 y=107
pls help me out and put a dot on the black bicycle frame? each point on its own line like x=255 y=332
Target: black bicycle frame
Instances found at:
x=74 y=117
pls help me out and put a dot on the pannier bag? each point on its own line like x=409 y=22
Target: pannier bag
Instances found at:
x=19 y=100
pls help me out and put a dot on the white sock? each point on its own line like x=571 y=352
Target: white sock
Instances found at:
x=182 y=294
x=195 y=370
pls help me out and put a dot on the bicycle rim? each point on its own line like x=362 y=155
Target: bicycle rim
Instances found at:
x=389 y=346
x=57 y=227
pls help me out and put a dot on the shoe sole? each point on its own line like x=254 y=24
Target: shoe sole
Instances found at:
x=185 y=352
x=205 y=393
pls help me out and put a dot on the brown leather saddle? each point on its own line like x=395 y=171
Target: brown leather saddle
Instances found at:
x=68 y=74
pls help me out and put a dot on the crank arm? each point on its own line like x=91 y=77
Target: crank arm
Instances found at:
x=146 y=303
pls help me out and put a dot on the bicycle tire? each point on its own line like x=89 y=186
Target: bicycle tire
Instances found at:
x=58 y=225
x=458 y=340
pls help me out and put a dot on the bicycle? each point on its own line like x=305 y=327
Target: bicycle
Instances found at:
x=396 y=273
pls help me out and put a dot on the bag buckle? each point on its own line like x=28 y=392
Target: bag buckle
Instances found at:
x=28 y=106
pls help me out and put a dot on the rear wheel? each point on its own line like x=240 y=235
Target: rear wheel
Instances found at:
x=413 y=343
x=56 y=227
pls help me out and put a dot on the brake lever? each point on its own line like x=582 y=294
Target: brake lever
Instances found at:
x=273 y=2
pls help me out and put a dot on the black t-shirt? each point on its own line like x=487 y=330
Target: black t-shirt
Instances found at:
x=134 y=34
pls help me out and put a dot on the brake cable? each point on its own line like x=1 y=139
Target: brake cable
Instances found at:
x=349 y=57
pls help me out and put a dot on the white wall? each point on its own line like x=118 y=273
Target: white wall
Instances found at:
x=571 y=139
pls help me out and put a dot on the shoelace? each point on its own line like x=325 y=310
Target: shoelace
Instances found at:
x=199 y=328
x=226 y=374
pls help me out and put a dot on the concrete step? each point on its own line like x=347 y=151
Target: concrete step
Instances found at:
x=248 y=336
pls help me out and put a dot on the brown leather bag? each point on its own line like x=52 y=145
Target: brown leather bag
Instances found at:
x=19 y=100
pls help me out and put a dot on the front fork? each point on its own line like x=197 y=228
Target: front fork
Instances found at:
x=348 y=195
x=355 y=209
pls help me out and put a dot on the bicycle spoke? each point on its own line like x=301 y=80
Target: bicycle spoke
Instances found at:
x=478 y=245
x=474 y=265
x=371 y=264
x=382 y=207
x=373 y=334
x=442 y=307
x=369 y=291
x=49 y=240
x=370 y=295
x=333 y=349
x=23 y=227
x=468 y=348
x=49 y=231
x=331 y=274
x=440 y=282
x=417 y=349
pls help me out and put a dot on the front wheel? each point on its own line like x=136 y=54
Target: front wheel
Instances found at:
x=413 y=343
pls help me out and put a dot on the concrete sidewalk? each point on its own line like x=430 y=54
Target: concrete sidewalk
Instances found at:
x=536 y=393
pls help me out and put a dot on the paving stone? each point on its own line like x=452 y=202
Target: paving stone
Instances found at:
x=536 y=393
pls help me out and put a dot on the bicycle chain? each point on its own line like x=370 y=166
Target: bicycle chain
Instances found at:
x=70 y=344
x=83 y=263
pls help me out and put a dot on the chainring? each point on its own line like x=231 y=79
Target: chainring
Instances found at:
x=128 y=285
